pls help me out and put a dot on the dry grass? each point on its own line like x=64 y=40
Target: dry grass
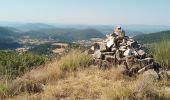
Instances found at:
x=52 y=82
x=161 y=53
x=74 y=60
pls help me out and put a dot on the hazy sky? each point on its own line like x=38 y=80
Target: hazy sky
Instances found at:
x=154 y=12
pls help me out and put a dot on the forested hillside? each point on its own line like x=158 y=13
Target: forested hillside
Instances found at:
x=153 y=37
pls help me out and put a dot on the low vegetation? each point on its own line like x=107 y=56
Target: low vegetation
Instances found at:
x=13 y=64
x=74 y=60
x=71 y=77
x=161 y=53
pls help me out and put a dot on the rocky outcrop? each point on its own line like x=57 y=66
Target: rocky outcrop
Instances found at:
x=124 y=52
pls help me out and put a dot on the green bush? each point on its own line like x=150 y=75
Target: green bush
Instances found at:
x=13 y=64
x=162 y=53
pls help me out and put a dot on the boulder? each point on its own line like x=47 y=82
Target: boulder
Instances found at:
x=123 y=69
x=141 y=53
x=151 y=74
x=113 y=49
x=98 y=55
x=134 y=69
x=133 y=44
x=95 y=46
x=110 y=42
x=164 y=75
x=130 y=60
x=168 y=73
x=110 y=58
x=128 y=52
x=108 y=53
x=103 y=47
x=118 y=56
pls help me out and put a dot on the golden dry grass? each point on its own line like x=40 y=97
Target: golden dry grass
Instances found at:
x=87 y=83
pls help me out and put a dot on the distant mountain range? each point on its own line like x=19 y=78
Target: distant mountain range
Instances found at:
x=69 y=33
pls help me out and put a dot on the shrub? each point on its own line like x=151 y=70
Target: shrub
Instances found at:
x=161 y=53
x=74 y=60
x=13 y=64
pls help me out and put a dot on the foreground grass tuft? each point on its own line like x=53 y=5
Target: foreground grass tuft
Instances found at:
x=74 y=60
x=161 y=53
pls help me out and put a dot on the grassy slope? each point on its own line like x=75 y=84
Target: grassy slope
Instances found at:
x=57 y=80
x=153 y=37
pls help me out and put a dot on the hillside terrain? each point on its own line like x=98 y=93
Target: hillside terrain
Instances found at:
x=153 y=37
x=71 y=77
x=7 y=38
x=68 y=35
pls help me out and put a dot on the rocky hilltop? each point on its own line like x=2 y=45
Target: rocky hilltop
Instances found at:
x=124 y=52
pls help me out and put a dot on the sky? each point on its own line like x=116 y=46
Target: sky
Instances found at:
x=105 y=12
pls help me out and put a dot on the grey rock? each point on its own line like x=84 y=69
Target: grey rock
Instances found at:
x=151 y=74
x=123 y=69
x=103 y=47
x=135 y=45
x=114 y=49
x=141 y=70
x=141 y=53
x=134 y=69
x=130 y=60
x=108 y=53
x=168 y=73
x=97 y=54
x=164 y=74
x=110 y=58
x=118 y=57
x=110 y=42
x=96 y=46
x=146 y=61
x=128 y=52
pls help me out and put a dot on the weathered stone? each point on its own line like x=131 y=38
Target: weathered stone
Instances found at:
x=97 y=54
x=114 y=49
x=168 y=73
x=123 y=47
x=96 y=46
x=130 y=60
x=145 y=62
x=135 y=45
x=123 y=51
x=118 y=56
x=108 y=53
x=142 y=70
x=110 y=58
x=141 y=53
x=123 y=69
x=164 y=75
x=134 y=69
x=128 y=52
x=151 y=74
x=149 y=60
x=110 y=43
x=103 y=47
x=92 y=48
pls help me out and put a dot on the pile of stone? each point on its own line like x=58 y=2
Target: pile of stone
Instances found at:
x=122 y=51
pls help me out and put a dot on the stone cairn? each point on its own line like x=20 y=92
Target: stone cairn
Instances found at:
x=123 y=52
